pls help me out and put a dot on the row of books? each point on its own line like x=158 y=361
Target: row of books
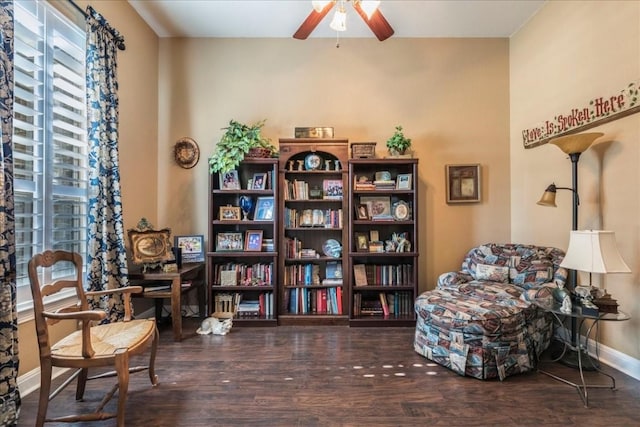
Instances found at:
x=387 y=304
x=247 y=308
x=309 y=274
x=327 y=218
x=236 y=274
x=383 y=274
x=314 y=301
x=299 y=190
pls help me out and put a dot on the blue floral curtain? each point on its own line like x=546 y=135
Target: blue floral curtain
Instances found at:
x=9 y=393
x=106 y=254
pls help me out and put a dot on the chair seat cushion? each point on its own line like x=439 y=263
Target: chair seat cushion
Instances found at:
x=107 y=338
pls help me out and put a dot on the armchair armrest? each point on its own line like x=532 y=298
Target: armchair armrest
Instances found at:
x=125 y=291
x=453 y=279
x=86 y=317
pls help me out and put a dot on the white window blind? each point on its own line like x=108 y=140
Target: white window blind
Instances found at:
x=50 y=147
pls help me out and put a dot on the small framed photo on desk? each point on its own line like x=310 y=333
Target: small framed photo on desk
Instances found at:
x=192 y=247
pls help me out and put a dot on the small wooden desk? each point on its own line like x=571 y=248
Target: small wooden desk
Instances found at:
x=193 y=272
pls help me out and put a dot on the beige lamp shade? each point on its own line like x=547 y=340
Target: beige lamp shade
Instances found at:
x=577 y=143
x=594 y=251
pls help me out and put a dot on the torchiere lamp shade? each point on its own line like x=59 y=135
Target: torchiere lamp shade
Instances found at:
x=577 y=143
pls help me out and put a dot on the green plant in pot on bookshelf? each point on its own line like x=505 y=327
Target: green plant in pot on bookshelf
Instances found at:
x=398 y=143
x=240 y=141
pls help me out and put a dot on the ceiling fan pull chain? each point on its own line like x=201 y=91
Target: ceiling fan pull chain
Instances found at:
x=337 y=39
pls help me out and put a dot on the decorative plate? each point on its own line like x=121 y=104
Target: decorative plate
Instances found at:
x=186 y=152
x=332 y=248
x=401 y=211
x=312 y=162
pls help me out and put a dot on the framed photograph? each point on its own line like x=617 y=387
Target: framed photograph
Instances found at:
x=401 y=211
x=229 y=180
x=463 y=183
x=362 y=212
x=229 y=213
x=332 y=189
x=362 y=242
x=379 y=207
x=403 y=181
x=229 y=242
x=192 y=247
x=264 y=209
x=150 y=246
x=253 y=240
x=259 y=181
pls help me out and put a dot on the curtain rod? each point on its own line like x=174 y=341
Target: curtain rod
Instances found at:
x=118 y=38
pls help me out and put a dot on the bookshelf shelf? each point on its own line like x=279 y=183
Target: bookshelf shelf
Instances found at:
x=383 y=253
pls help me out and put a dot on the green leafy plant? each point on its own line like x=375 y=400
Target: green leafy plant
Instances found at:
x=398 y=142
x=235 y=143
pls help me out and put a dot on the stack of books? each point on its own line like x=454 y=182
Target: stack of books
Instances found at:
x=384 y=184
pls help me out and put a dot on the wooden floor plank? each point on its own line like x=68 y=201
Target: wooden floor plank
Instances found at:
x=339 y=376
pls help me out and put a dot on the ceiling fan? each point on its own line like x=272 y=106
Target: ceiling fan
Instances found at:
x=367 y=9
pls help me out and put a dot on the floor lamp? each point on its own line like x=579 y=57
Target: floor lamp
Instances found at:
x=574 y=146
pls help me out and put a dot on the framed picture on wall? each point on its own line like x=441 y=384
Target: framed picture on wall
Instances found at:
x=463 y=183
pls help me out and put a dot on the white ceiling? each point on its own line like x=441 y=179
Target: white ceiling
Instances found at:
x=281 y=18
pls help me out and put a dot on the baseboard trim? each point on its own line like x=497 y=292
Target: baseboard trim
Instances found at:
x=30 y=382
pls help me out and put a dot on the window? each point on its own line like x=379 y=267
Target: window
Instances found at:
x=50 y=147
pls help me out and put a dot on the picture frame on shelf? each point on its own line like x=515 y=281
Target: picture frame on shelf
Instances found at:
x=264 y=209
x=379 y=207
x=401 y=211
x=362 y=242
x=229 y=213
x=253 y=240
x=192 y=247
x=229 y=241
x=463 y=183
x=362 y=212
x=259 y=181
x=404 y=181
x=332 y=189
x=229 y=180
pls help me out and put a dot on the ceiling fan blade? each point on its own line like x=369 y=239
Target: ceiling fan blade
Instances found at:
x=312 y=22
x=377 y=23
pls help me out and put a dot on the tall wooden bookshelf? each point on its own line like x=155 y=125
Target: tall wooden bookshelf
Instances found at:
x=242 y=260
x=383 y=241
x=312 y=268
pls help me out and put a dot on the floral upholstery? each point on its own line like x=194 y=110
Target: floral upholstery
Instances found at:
x=480 y=321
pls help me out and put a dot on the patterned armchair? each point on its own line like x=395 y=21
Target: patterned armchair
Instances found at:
x=480 y=321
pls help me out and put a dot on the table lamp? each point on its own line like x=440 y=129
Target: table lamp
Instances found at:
x=595 y=251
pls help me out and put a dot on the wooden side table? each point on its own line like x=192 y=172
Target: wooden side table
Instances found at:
x=193 y=272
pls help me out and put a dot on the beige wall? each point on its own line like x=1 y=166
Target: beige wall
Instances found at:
x=451 y=96
x=138 y=90
x=569 y=54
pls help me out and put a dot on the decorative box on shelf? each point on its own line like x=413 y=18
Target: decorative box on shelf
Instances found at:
x=313 y=132
x=363 y=150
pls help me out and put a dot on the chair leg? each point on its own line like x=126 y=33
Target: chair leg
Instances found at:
x=82 y=383
x=152 y=358
x=45 y=388
x=122 y=369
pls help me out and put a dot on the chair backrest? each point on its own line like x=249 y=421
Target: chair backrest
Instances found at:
x=519 y=264
x=68 y=265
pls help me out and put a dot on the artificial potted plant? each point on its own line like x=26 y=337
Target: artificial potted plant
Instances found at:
x=237 y=142
x=398 y=143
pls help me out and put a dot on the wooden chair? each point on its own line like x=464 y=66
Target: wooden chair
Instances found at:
x=108 y=345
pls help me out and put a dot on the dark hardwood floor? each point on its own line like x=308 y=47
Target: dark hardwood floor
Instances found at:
x=339 y=376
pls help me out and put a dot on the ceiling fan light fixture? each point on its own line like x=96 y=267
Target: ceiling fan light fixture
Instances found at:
x=339 y=21
x=318 y=5
x=369 y=7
